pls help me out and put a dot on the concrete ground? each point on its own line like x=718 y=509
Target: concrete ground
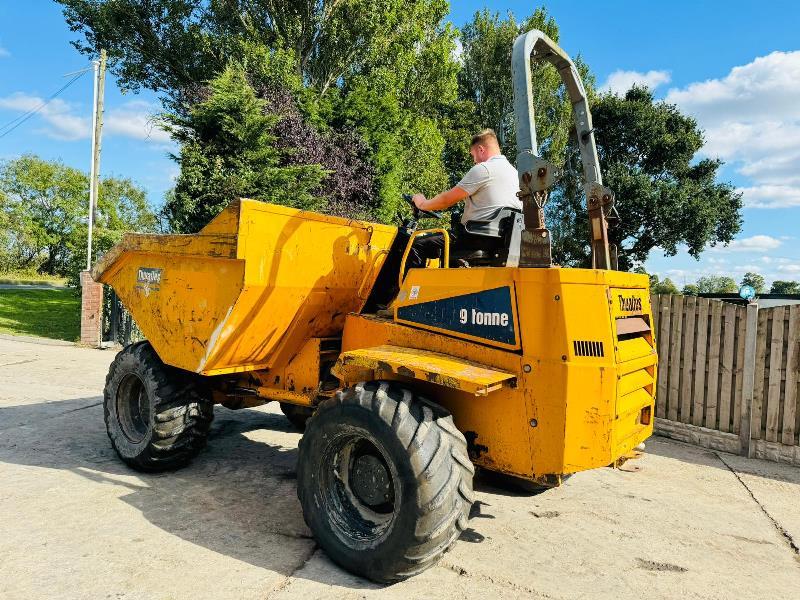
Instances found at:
x=76 y=523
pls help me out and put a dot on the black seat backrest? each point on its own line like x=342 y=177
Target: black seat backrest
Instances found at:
x=491 y=243
x=496 y=225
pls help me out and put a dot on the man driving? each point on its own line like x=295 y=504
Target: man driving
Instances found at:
x=491 y=184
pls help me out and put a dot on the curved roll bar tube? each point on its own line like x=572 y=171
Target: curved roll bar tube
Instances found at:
x=536 y=175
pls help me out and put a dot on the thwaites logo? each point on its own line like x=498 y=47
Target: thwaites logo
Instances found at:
x=148 y=280
x=630 y=303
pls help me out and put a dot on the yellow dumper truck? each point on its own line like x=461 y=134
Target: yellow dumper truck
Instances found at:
x=403 y=381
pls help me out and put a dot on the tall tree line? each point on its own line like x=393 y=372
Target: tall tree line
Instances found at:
x=343 y=105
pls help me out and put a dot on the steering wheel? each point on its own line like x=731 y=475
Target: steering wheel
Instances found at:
x=418 y=211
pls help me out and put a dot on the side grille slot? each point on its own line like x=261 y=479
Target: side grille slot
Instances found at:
x=588 y=348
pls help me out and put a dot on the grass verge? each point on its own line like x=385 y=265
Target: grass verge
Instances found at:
x=45 y=313
x=31 y=278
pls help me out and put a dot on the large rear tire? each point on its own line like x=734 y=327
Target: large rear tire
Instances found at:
x=384 y=480
x=157 y=416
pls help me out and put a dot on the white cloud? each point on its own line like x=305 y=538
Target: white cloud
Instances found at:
x=4 y=53
x=57 y=114
x=757 y=89
x=751 y=119
x=135 y=119
x=756 y=243
x=771 y=196
x=621 y=81
x=132 y=119
x=794 y=269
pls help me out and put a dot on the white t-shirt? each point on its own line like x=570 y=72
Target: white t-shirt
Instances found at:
x=490 y=185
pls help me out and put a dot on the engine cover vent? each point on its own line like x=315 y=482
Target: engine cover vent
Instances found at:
x=588 y=348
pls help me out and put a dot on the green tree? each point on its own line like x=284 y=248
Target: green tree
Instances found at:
x=7 y=260
x=756 y=281
x=382 y=69
x=44 y=206
x=642 y=271
x=401 y=101
x=665 y=286
x=485 y=81
x=665 y=196
x=171 y=45
x=690 y=289
x=121 y=208
x=228 y=152
x=717 y=284
x=399 y=110
x=785 y=287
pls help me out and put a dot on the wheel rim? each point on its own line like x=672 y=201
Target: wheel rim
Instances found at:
x=133 y=408
x=359 y=489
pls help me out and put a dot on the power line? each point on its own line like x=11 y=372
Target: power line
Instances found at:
x=13 y=124
x=27 y=115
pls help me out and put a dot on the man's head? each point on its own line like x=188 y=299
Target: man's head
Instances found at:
x=484 y=146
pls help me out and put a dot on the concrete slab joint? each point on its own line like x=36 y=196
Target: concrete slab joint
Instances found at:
x=91 y=310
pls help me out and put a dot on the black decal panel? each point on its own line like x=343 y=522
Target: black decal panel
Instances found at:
x=487 y=314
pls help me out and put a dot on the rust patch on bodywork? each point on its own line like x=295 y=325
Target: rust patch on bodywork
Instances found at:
x=443 y=380
x=406 y=372
x=474 y=449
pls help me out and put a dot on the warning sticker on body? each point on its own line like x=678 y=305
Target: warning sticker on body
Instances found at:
x=148 y=280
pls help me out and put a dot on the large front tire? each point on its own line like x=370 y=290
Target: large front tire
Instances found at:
x=384 y=480
x=156 y=416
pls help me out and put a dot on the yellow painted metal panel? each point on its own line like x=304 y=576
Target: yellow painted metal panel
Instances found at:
x=442 y=369
x=292 y=275
x=633 y=348
x=636 y=364
x=562 y=415
x=628 y=433
x=627 y=302
x=634 y=381
x=633 y=402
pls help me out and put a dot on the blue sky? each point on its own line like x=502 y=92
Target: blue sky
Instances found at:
x=733 y=65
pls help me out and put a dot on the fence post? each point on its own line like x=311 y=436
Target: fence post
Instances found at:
x=748 y=379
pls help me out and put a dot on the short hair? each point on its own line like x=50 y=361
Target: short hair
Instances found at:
x=484 y=137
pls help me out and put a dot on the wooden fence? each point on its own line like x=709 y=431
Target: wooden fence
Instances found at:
x=728 y=375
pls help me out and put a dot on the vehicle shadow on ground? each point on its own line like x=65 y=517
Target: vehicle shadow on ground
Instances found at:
x=237 y=498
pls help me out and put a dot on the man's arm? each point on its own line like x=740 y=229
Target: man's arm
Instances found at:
x=440 y=201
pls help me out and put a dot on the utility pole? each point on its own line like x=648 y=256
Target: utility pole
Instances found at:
x=97 y=129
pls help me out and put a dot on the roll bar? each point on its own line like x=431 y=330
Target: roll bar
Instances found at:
x=536 y=175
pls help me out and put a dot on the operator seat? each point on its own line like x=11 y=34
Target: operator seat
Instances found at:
x=493 y=242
